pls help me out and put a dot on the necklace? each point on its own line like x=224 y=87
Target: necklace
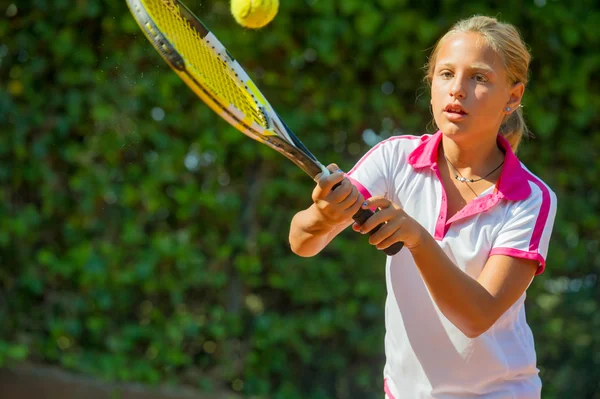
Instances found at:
x=458 y=176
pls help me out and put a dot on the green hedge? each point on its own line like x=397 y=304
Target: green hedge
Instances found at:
x=143 y=239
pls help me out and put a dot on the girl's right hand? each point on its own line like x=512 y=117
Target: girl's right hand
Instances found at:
x=336 y=206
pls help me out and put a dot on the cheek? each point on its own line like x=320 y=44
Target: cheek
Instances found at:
x=438 y=95
x=489 y=103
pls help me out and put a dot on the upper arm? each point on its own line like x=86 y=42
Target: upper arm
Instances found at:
x=506 y=278
x=519 y=250
x=526 y=232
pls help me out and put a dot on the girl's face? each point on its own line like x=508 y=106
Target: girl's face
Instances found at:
x=469 y=88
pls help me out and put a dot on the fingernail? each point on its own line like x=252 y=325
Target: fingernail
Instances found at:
x=341 y=171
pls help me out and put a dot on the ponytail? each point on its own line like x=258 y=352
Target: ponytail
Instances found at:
x=514 y=128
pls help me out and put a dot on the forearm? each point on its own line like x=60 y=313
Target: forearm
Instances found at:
x=309 y=233
x=462 y=299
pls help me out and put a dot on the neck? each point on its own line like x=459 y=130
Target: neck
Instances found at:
x=473 y=158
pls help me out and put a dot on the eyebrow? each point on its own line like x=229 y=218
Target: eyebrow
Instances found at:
x=477 y=67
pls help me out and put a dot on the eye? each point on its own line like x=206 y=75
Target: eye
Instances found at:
x=480 y=78
x=446 y=74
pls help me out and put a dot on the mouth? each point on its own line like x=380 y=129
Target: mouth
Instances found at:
x=455 y=109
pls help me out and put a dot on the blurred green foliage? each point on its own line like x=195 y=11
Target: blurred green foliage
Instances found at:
x=143 y=239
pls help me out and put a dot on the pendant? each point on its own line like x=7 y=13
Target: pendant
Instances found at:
x=463 y=179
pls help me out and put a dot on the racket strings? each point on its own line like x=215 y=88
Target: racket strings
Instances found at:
x=203 y=61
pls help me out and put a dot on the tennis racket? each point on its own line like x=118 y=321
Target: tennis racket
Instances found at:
x=205 y=65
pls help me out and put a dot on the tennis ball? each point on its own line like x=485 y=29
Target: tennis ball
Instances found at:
x=254 y=13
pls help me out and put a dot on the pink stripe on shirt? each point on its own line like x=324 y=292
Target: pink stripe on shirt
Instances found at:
x=362 y=189
x=540 y=222
x=515 y=253
x=386 y=389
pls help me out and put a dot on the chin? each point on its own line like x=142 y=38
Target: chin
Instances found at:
x=453 y=129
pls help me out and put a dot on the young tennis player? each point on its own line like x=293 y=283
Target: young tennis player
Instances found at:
x=474 y=220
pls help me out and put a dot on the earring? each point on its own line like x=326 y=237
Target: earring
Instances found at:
x=507 y=109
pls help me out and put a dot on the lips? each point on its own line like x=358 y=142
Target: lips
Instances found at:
x=455 y=109
x=455 y=113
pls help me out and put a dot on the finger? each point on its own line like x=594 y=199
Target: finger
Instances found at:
x=377 y=202
x=341 y=192
x=385 y=231
x=324 y=185
x=353 y=201
x=389 y=240
x=374 y=221
x=330 y=168
x=333 y=167
x=359 y=200
x=327 y=182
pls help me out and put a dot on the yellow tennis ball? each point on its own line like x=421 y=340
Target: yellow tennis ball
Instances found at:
x=254 y=13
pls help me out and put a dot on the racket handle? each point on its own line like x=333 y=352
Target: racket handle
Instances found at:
x=361 y=217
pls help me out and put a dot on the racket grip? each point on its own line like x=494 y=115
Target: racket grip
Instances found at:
x=361 y=217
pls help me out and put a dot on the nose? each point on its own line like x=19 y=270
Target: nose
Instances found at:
x=457 y=88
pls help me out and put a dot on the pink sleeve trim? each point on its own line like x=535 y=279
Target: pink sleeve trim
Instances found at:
x=386 y=389
x=540 y=222
x=362 y=189
x=516 y=253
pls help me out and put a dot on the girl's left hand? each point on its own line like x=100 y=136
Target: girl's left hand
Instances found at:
x=399 y=225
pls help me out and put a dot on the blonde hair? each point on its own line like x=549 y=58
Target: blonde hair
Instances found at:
x=507 y=42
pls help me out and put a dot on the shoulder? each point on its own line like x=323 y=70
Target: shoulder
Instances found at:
x=404 y=143
x=522 y=188
x=541 y=194
x=529 y=219
x=391 y=150
x=532 y=215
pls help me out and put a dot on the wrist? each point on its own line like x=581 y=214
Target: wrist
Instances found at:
x=318 y=224
x=419 y=240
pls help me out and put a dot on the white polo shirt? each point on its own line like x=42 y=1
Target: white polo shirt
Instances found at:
x=426 y=355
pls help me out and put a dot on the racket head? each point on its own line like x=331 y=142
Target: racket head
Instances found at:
x=205 y=65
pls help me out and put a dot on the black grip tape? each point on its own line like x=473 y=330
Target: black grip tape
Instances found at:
x=361 y=217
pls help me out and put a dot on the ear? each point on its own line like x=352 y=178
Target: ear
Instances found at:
x=516 y=94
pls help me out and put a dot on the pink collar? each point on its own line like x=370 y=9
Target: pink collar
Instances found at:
x=513 y=183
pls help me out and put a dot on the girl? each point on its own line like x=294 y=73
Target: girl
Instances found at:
x=474 y=220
